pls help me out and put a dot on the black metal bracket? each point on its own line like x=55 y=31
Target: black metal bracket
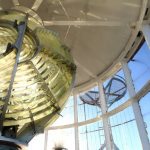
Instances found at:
x=18 y=46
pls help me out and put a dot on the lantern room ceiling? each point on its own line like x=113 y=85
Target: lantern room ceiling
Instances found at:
x=97 y=31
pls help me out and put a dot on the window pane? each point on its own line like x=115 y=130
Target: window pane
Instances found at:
x=145 y=109
x=62 y=137
x=124 y=130
x=140 y=67
x=67 y=114
x=91 y=137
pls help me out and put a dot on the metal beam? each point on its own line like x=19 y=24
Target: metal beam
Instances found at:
x=87 y=23
x=136 y=108
x=105 y=119
x=76 y=122
x=45 y=139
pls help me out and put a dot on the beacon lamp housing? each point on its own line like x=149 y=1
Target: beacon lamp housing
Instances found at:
x=37 y=74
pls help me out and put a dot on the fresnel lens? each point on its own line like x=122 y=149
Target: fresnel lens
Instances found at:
x=36 y=76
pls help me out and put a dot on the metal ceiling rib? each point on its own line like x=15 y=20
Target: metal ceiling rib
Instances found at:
x=36 y=5
x=88 y=23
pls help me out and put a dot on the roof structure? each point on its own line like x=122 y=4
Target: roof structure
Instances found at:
x=98 y=32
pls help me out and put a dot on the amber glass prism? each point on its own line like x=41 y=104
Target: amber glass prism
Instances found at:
x=45 y=72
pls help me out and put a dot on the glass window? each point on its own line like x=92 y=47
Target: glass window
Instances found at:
x=88 y=107
x=61 y=138
x=145 y=109
x=124 y=130
x=140 y=67
x=116 y=90
x=67 y=114
x=34 y=143
x=91 y=137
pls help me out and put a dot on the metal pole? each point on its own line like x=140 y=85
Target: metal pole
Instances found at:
x=76 y=122
x=106 y=126
x=88 y=23
x=86 y=133
x=136 y=107
x=45 y=139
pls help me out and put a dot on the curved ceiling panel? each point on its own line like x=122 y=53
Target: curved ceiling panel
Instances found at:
x=97 y=31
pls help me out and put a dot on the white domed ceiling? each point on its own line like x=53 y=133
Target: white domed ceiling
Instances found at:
x=97 y=31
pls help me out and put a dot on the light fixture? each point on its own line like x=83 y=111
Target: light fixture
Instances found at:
x=36 y=77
